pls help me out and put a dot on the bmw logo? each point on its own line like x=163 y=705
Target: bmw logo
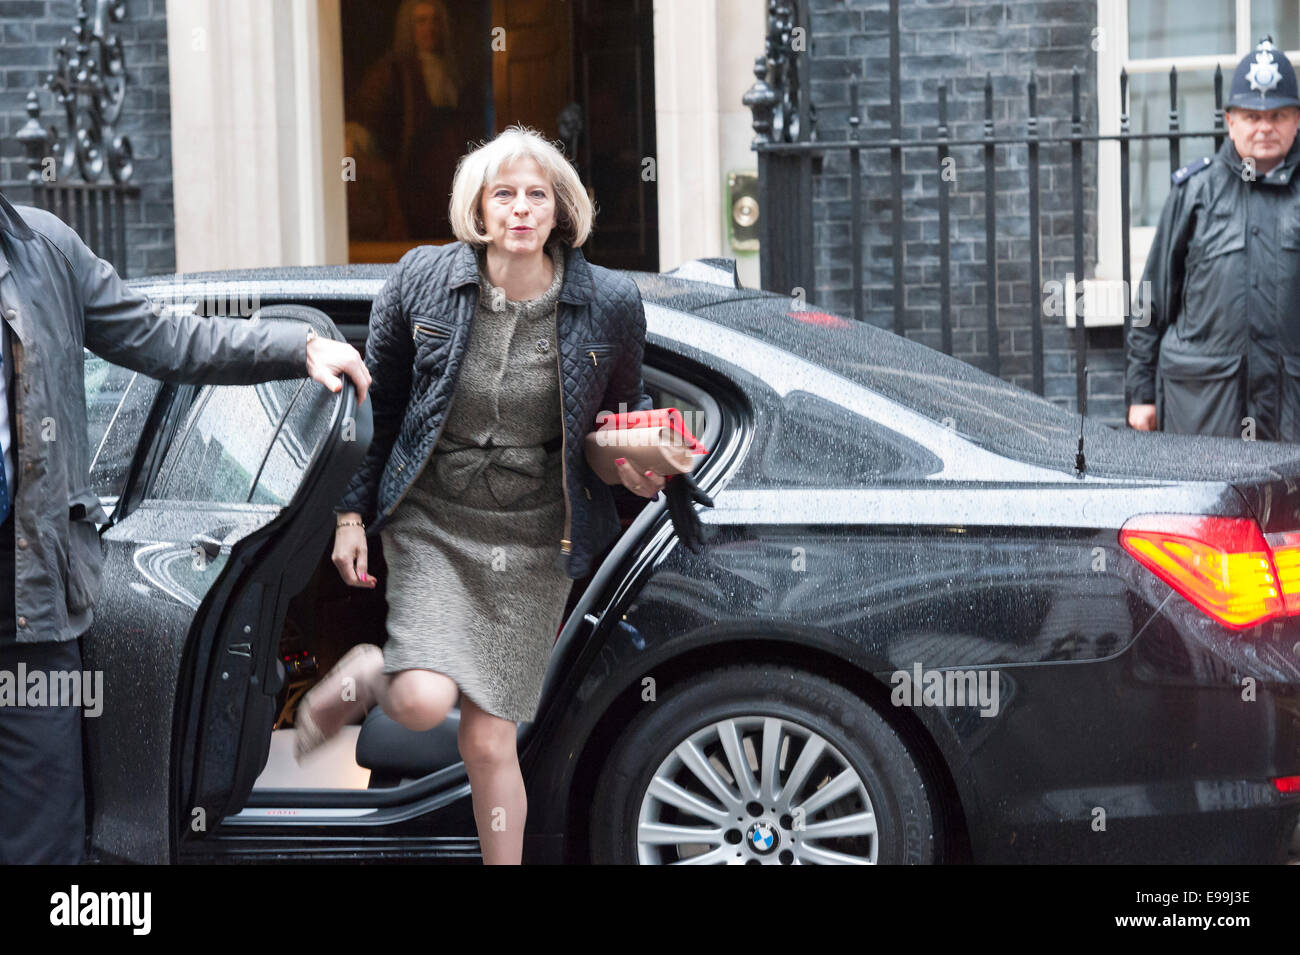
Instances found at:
x=762 y=837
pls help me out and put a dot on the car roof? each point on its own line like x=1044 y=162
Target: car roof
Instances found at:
x=287 y=273
x=989 y=411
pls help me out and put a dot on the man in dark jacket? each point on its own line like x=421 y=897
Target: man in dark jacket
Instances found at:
x=1215 y=349
x=57 y=298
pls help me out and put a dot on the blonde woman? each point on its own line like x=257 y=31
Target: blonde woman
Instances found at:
x=490 y=357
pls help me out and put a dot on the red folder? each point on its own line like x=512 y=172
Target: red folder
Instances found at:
x=653 y=440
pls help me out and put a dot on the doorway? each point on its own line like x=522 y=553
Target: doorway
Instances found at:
x=427 y=80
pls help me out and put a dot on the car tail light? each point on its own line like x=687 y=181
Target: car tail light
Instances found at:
x=1287 y=784
x=1286 y=558
x=1223 y=565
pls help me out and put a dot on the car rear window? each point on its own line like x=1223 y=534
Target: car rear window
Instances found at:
x=995 y=414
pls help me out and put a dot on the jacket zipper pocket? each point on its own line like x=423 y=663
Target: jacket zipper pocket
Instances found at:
x=427 y=328
x=595 y=350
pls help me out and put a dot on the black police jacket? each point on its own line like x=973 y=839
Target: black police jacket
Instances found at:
x=1217 y=348
x=419 y=330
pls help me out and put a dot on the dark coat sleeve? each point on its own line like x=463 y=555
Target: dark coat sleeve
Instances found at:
x=389 y=353
x=126 y=327
x=626 y=384
x=1164 y=275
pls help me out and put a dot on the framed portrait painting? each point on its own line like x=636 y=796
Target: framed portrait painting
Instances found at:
x=415 y=74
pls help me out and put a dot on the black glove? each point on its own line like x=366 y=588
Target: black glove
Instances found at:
x=682 y=491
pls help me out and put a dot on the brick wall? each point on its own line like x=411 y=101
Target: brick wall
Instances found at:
x=30 y=30
x=957 y=42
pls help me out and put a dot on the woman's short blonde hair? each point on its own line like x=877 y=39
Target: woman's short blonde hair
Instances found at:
x=573 y=209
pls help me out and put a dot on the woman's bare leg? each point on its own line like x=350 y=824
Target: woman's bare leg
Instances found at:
x=420 y=700
x=416 y=699
x=488 y=747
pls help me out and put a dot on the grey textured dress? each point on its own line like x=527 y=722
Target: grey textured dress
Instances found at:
x=476 y=583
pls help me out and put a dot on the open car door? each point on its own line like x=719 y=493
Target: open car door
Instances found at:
x=197 y=579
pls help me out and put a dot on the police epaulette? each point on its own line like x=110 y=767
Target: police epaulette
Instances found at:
x=1191 y=169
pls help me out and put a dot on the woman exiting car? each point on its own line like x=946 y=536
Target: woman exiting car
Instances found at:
x=490 y=357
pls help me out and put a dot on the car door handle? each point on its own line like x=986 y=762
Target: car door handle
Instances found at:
x=211 y=546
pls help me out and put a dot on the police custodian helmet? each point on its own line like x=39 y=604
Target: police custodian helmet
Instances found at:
x=1265 y=79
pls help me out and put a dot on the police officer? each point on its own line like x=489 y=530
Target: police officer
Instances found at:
x=1215 y=346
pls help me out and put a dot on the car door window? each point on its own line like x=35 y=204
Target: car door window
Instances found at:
x=300 y=437
x=699 y=408
x=224 y=443
x=237 y=460
x=118 y=402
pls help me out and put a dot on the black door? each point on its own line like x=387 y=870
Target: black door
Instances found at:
x=614 y=86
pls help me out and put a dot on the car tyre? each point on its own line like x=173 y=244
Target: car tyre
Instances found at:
x=660 y=753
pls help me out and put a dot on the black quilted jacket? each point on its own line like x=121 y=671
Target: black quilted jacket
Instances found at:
x=419 y=329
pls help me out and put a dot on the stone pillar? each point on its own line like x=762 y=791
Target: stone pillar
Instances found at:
x=686 y=130
x=257 y=133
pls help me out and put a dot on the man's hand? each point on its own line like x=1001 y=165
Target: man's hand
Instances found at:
x=1142 y=417
x=327 y=359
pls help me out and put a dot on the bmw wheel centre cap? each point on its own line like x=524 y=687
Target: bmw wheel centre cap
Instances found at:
x=762 y=837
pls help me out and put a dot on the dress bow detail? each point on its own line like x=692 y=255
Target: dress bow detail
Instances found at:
x=509 y=471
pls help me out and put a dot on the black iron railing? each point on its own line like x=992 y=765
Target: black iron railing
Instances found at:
x=787 y=162
x=89 y=84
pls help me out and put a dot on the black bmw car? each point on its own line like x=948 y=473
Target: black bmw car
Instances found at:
x=923 y=627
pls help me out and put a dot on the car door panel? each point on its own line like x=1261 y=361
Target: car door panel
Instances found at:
x=182 y=570
x=158 y=573
x=243 y=675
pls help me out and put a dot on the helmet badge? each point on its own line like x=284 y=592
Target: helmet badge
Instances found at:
x=1263 y=74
